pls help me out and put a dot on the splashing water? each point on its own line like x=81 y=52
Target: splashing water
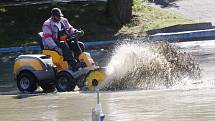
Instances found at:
x=148 y=65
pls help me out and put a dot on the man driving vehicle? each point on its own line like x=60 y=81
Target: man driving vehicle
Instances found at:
x=56 y=31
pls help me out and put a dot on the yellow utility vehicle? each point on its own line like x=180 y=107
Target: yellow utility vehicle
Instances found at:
x=49 y=70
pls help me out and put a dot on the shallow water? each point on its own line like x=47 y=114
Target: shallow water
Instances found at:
x=189 y=100
x=156 y=105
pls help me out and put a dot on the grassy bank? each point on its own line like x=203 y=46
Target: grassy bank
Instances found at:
x=20 y=24
x=148 y=18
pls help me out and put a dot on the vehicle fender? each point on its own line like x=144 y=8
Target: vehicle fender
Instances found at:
x=23 y=68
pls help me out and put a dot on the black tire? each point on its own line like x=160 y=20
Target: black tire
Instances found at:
x=27 y=82
x=48 y=88
x=65 y=82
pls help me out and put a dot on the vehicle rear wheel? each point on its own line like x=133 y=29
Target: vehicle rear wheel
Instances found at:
x=65 y=82
x=26 y=82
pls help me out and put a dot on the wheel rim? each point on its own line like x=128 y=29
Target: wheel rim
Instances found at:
x=63 y=83
x=24 y=83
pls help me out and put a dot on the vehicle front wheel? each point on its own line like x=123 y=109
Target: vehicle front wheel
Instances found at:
x=65 y=82
x=26 y=82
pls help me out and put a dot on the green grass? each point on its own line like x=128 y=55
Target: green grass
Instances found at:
x=148 y=18
x=20 y=24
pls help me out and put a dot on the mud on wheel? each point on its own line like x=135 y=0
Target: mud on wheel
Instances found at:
x=26 y=82
x=65 y=82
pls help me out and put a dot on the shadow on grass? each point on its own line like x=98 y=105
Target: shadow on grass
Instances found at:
x=165 y=3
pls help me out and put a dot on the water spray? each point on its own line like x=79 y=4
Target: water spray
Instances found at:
x=148 y=65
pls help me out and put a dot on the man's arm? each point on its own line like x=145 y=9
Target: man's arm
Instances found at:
x=70 y=28
x=48 y=41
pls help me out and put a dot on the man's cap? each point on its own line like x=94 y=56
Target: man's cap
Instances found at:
x=56 y=12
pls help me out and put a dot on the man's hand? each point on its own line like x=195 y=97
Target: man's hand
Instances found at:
x=76 y=35
x=80 y=33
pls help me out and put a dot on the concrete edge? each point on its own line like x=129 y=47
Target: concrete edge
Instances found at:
x=37 y=48
x=184 y=36
x=182 y=27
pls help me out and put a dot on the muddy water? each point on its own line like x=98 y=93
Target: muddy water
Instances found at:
x=190 y=100
x=153 y=105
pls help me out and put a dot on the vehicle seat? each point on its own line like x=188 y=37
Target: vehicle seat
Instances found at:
x=57 y=59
